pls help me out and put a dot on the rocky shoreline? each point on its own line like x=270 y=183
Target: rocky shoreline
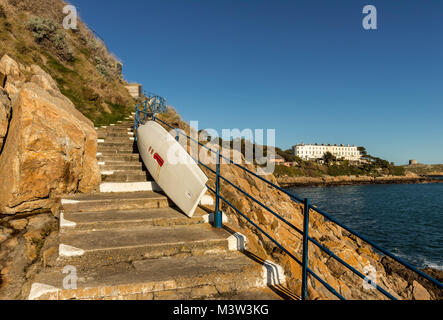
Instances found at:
x=287 y=182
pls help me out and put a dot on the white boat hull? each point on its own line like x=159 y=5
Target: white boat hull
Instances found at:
x=176 y=173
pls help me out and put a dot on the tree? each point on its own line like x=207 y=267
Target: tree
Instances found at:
x=362 y=151
x=329 y=158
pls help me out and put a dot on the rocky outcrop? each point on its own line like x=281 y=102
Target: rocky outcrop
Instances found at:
x=287 y=181
x=23 y=240
x=5 y=114
x=50 y=147
x=14 y=75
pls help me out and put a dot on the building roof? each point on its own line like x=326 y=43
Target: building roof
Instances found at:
x=322 y=145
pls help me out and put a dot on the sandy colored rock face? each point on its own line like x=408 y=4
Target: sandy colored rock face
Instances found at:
x=50 y=150
x=419 y=292
x=5 y=113
x=43 y=79
x=14 y=76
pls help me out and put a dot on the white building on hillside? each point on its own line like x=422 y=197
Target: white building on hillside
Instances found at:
x=317 y=151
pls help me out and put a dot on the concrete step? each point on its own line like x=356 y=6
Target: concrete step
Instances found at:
x=121 y=177
x=126 y=123
x=117 y=219
x=119 y=157
x=137 y=171
x=137 y=162
x=117 y=126
x=111 y=130
x=115 y=201
x=117 y=167
x=107 y=135
x=136 y=175
x=120 y=149
x=116 y=152
x=118 y=139
x=120 y=127
x=257 y=294
x=116 y=144
x=107 y=187
x=101 y=247
x=167 y=278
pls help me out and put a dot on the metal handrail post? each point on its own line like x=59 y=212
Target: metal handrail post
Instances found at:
x=136 y=122
x=218 y=219
x=304 y=287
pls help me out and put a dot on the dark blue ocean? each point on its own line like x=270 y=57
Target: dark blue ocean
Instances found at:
x=406 y=219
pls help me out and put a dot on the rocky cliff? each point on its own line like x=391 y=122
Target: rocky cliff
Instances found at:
x=47 y=148
x=50 y=147
x=286 y=181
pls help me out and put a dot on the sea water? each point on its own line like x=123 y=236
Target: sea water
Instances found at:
x=406 y=219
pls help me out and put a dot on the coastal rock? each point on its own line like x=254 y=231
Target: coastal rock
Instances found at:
x=19 y=224
x=5 y=114
x=14 y=76
x=5 y=234
x=39 y=222
x=44 y=80
x=51 y=150
x=419 y=292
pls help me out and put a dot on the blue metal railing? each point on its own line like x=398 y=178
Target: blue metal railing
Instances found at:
x=152 y=105
x=306 y=208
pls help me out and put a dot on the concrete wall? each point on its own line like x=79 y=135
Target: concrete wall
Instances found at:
x=135 y=90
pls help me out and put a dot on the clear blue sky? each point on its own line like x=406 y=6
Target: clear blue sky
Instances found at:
x=305 y=68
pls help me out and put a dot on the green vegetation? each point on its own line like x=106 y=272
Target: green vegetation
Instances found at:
x=46 y=32
x=376 y=167
x=85 y=71
x=331 y=166
x=342 y=168
x=329 y=158
x=425 y=169
x=118 y=112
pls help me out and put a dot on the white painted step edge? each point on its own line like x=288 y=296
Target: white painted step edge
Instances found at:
x=129 y=186
x=209 y=218
x=66 y=223
x=69 y=251
x=39 y=289
x=272 y=275
x=237 y=242
x=207 y=200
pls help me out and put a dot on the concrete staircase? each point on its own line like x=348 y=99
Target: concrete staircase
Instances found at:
x=129 y=241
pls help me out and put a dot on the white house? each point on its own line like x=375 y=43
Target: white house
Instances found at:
x=317 y=151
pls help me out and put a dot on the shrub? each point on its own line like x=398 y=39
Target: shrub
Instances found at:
x=42 y=28
x=397 y=171
x=47 y=31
